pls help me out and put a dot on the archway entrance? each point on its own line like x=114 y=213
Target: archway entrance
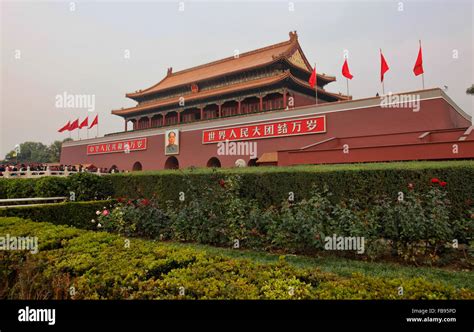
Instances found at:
x=137 y=166
x=214 y=162
x=171 y=163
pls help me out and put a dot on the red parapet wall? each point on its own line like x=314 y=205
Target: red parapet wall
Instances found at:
x=380 y=153
x=374 y=133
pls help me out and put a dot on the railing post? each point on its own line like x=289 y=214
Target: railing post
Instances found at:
x=48 y=171
x=28 y=172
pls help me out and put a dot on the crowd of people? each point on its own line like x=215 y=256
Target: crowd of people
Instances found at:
x=41 y=168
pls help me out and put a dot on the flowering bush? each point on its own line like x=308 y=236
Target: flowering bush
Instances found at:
x=419 y=224
x=141 y=217
x=416 y=226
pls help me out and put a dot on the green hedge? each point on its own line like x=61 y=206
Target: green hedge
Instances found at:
x=267 y=185
x=100 y=266
x=85 y=186
x=78 y=214
x=272 y=185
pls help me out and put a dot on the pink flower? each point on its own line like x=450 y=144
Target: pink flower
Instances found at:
x=411 y=186
x=105 y=212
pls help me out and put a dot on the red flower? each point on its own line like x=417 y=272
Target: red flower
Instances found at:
x=443 y=184
x=120 y=199
x=411 y=186
x=145 y=202
x=222 y=183
x=434 y=180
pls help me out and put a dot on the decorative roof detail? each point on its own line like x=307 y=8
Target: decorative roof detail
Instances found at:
x=293 y=35
x=297 y=60
x=246 y=61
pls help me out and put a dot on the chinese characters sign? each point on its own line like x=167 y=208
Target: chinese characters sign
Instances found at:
x=118 y=146
x=312 y=125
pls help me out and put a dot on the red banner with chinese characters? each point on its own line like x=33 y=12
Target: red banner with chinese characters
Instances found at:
x=118 y=146
x=303 y=126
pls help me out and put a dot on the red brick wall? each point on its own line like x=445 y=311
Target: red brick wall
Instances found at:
x=434 y=114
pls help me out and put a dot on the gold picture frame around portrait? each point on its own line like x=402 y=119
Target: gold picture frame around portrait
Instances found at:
x=172 y=142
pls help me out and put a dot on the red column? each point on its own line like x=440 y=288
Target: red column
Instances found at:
x=179 y=117
x=202 y=112
x=149 y=122
x=125 y=124
x=284 y=100
x=220 y=109
x=238 y=106
x=261 y=103
x=163 y=121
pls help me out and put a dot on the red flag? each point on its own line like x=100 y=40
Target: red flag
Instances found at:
x=95 y=122
x=384 y=67
x=345 y=70
x=312 y=78
x=84 y=123
x=66 y=127
x=418 y=69
x=74 y=125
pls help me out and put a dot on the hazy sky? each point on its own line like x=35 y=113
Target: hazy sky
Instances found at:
x=48 y=49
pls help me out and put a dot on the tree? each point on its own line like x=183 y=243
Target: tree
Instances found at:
x=36 y=152
x=55 y=150
x=470 y=91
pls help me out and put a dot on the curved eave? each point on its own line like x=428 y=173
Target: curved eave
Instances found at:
x=327 y=79
x=206 y=94
x=320 y=90
x=150 y=90
x=293 y=45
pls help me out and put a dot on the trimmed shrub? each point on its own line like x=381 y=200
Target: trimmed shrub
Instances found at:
x=20 y=188
x=77 y=214
x=269 y=186
x=3 y=188
x=100 y=266
x=51 y=186
x=87 y=186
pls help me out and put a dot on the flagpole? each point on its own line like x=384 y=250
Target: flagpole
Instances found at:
x=347 y=82
x=422 y=74
x=316 y=84
x=383 y=85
